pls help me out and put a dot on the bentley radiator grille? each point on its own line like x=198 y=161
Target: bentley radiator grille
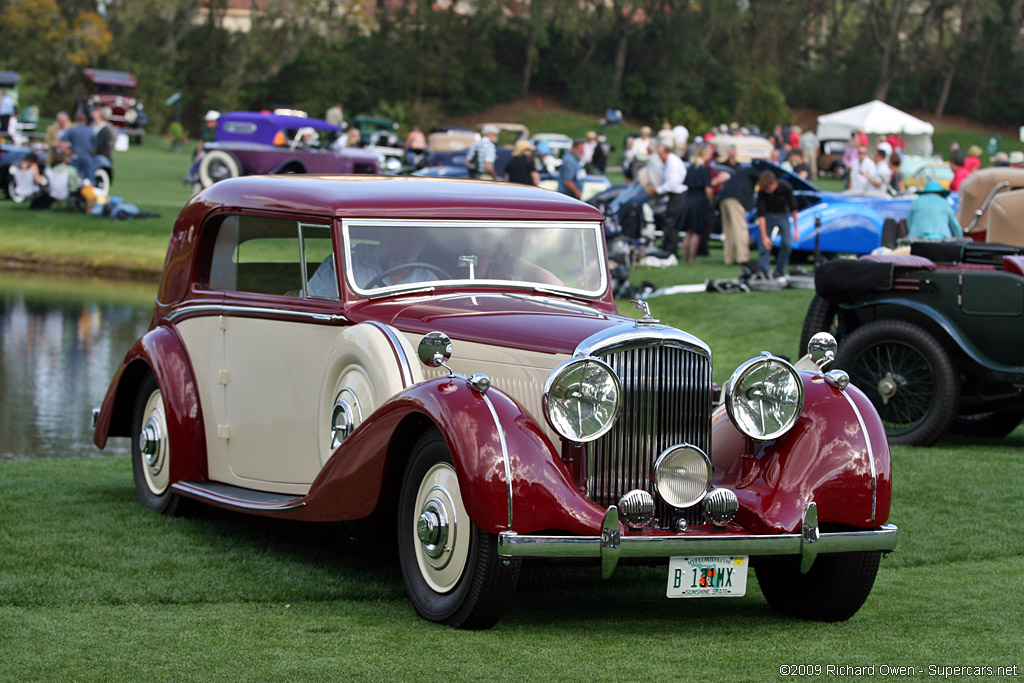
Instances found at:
x=666 y=400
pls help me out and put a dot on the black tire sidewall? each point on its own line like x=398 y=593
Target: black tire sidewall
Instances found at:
x=166 y=502
x=945 y=374
x=820 y=314
x=430 y=450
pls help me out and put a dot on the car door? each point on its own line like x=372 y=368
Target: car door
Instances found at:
x=263 y=384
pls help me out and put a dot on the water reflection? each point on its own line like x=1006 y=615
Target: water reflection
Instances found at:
x=59 y=347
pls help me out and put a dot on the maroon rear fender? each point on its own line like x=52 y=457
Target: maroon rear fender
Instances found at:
x=160 y=352
x=836 y=455
x=543 y=496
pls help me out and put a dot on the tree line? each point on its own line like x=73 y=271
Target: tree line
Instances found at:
x=420 y=61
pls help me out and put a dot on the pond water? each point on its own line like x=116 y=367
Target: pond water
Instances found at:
x=60 y=344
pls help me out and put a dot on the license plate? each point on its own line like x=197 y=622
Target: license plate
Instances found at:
x=707 y=577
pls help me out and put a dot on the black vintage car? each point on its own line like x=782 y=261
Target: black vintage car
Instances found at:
x=933 y=338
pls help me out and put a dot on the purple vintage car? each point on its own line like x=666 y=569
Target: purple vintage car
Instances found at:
x=256 y=143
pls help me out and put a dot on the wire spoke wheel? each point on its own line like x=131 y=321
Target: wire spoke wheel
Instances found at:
x=907 y=375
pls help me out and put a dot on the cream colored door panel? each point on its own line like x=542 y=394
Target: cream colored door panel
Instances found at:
x=362 y=372
x=204 y=342
x=275 y=370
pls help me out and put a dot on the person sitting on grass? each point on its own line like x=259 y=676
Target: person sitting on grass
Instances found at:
x=65 y=183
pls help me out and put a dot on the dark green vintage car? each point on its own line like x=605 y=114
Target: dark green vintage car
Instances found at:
x=933 y=338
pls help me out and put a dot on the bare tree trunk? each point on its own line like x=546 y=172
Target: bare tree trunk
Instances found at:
x=531 y=50
x=947 y=85
x=620 y=62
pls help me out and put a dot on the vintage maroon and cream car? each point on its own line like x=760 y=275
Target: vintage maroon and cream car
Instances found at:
x=445 y=355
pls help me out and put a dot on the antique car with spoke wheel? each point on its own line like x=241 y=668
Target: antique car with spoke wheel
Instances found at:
x=930 y=337
x=444 y=358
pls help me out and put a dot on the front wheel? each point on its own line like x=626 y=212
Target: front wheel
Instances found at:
x=151 y=451
x=102 y=180
x=907 y=375
x=451 y=568
x=216 y=165
x=833 y=590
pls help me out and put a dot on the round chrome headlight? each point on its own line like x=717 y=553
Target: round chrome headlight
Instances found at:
x=681 y=475
x=764 y=397
x=581 y=399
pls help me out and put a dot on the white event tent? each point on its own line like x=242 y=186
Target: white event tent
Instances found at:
x=877 y=119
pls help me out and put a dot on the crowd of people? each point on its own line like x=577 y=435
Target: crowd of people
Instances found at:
x=67 y=173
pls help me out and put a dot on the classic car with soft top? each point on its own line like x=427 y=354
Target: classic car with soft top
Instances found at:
x=445 y=357
x=932 y=337
x=252 y=143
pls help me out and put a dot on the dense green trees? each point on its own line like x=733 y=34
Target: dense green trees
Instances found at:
x=702 y=61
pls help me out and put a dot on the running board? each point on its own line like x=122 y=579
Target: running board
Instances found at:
x=238 y=497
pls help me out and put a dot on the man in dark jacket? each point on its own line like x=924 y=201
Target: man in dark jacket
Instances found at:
x=774 y=199
x=735 y=200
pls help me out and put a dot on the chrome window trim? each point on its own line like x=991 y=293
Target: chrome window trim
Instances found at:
x=399 y=351
x=871 y=453
x=217 y=309
x=594 y=226
x=504 y=454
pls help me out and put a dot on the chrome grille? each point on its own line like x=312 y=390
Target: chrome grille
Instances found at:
x=666 y=400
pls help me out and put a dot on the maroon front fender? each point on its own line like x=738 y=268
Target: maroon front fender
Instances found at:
x=350 y=485
x=824 y=458
x=160 y=352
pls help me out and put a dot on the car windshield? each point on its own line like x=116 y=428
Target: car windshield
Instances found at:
x=397 y=256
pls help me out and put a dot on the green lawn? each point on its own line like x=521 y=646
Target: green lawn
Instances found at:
x=94 y=587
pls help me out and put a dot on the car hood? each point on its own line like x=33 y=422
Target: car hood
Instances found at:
x=522 y=321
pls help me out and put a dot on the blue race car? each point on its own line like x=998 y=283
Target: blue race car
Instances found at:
x=837 y=222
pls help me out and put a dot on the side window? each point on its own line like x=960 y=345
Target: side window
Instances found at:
x=272 y=256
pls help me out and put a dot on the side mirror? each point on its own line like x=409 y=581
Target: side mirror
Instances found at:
x=822 y=349
x=435 y=349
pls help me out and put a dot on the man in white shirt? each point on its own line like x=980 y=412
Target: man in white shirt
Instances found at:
x=673 y=186
x=863 y=174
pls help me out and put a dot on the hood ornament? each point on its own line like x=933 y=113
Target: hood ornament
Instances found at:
x=643 y=306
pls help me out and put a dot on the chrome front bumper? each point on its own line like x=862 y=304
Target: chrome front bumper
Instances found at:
x=611 y=545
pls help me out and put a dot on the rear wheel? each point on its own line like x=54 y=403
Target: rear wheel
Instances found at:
x=151 y=451
x=907 y=375
x=833 y=590
x=451 y=568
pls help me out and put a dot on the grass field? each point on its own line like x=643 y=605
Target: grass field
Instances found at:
x=94 y=587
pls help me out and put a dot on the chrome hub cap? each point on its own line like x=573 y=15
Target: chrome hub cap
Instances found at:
x=887 y=387
x=432 y=528
x=149 y=442
x=441 y=529
x=154 y=446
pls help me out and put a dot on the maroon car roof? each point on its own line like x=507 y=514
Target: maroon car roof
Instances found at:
x=397 y=197
x=110 y=77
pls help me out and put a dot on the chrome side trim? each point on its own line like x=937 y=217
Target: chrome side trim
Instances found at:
x=871 y=453
x=504 y=454
x=218 y=309
x=403 y=360
x=511 y=544
x=238 y=498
